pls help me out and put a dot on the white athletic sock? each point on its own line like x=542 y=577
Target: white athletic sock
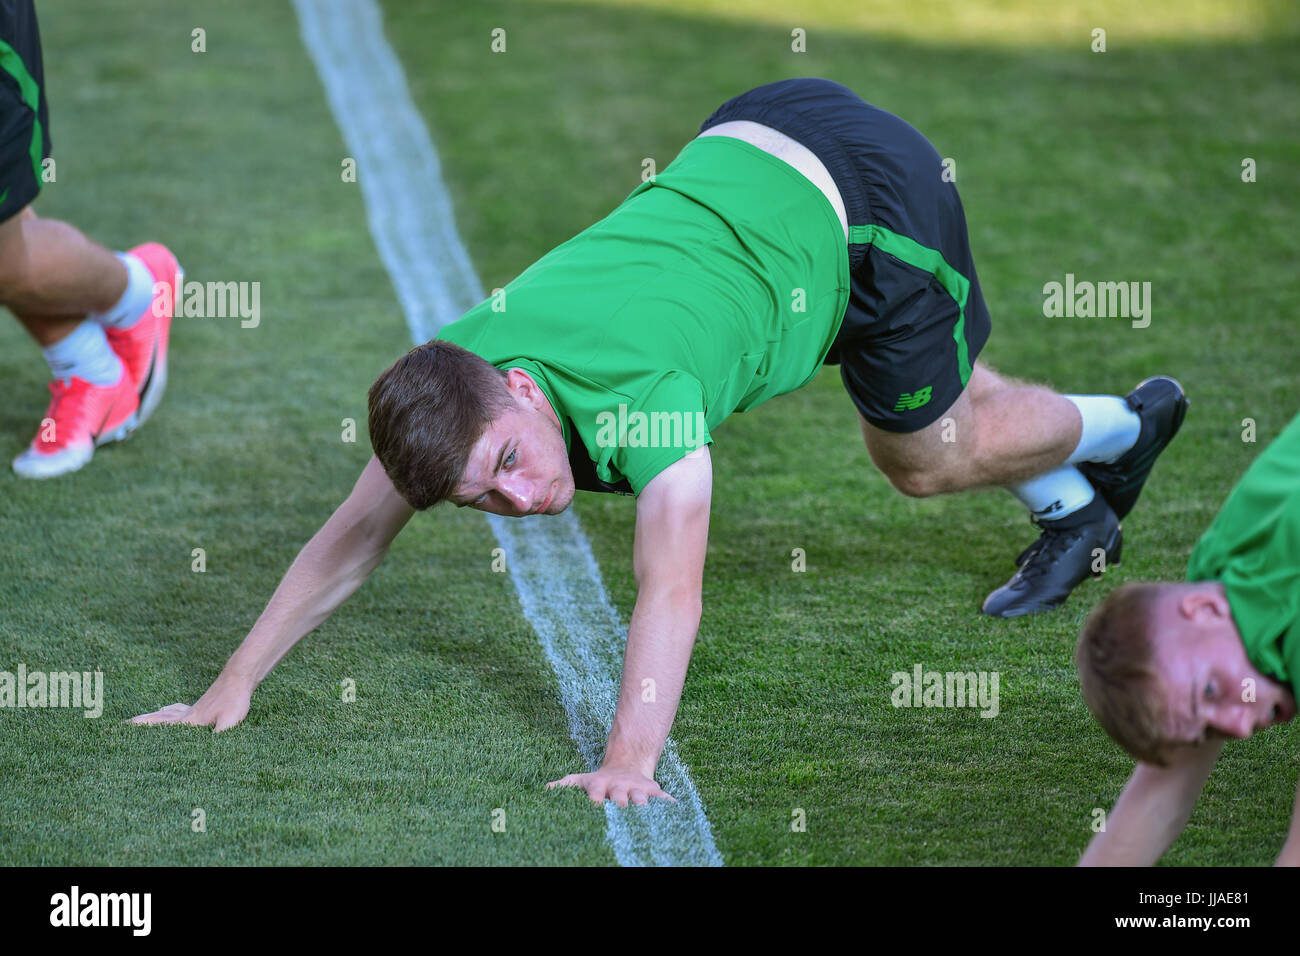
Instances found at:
x=85 y=353
x=1110 y=428
x=1054 y=494
x=137 y=297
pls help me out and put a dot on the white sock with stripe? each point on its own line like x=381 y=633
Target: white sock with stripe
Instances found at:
x=84 y=353
x=1055 y=494
x=135 y=300
x=1110 y=428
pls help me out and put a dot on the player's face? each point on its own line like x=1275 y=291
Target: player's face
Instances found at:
x=1211 y=687
x=520 y=465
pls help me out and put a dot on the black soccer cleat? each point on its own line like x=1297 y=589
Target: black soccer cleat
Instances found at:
x=1065 y=554
x=1161 y=405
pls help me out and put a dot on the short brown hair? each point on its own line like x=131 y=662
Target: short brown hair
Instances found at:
x=1117 y=674
x=427 y=411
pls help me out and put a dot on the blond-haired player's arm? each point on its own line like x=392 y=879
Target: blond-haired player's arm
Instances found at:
x=1152 y=810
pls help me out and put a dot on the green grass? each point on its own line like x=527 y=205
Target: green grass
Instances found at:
x=1115 y=166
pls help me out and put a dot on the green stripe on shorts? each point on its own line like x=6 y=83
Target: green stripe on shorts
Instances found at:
x=927 y=260
x=12 y=63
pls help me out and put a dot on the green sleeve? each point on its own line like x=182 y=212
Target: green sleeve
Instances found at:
x=671 y=415
x=1253 y=548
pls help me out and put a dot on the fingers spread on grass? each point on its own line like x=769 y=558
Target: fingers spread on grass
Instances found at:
x=586 y=781
x=589 y=782
x=171 y=714
x=598 y=790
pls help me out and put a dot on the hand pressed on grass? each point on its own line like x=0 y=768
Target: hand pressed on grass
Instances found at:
x=620 y=784
x=222 y=707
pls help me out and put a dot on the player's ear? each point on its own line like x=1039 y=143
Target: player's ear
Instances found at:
x=1204 y=604
x=521 y=385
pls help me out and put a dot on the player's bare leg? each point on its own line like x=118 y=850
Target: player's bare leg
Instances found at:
x=999 y=431
x=1029 y=439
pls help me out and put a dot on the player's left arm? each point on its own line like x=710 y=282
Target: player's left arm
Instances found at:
x=672 y=533
x=1290 y=855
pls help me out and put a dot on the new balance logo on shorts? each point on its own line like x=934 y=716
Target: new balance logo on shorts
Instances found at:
x=910 y=400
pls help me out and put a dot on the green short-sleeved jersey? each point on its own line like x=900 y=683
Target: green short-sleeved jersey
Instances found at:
x=713 y=287
x=1253 y=548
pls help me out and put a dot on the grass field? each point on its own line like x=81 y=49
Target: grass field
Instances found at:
x=1123 y=165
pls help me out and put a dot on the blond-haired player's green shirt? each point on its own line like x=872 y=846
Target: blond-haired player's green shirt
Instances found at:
x=713 y=287
x=1253 y=548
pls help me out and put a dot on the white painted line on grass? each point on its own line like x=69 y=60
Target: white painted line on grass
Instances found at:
x=550 y=560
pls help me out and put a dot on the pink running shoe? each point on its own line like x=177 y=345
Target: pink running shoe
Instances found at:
x=143 y=347
x=81 y=417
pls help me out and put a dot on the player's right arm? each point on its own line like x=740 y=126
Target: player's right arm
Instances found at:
x=329 y=568
x=1152 y=810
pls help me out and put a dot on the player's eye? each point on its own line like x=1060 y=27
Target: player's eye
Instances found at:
x=1209 y=691
x=510 y=459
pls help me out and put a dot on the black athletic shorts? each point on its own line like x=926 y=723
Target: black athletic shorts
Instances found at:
x=24 y=117
x=916 y=319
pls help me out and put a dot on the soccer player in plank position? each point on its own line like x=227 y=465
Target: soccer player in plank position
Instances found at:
x=801 y=227
x=1172 y=670
x=91 y=312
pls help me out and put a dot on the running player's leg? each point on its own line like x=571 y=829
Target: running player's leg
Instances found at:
x=89 y=310
x=52 y=275
x=92 y=395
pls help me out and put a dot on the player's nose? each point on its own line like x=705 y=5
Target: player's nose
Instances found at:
x=1246 y=720
x=519 y=494
x=1233 y=721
